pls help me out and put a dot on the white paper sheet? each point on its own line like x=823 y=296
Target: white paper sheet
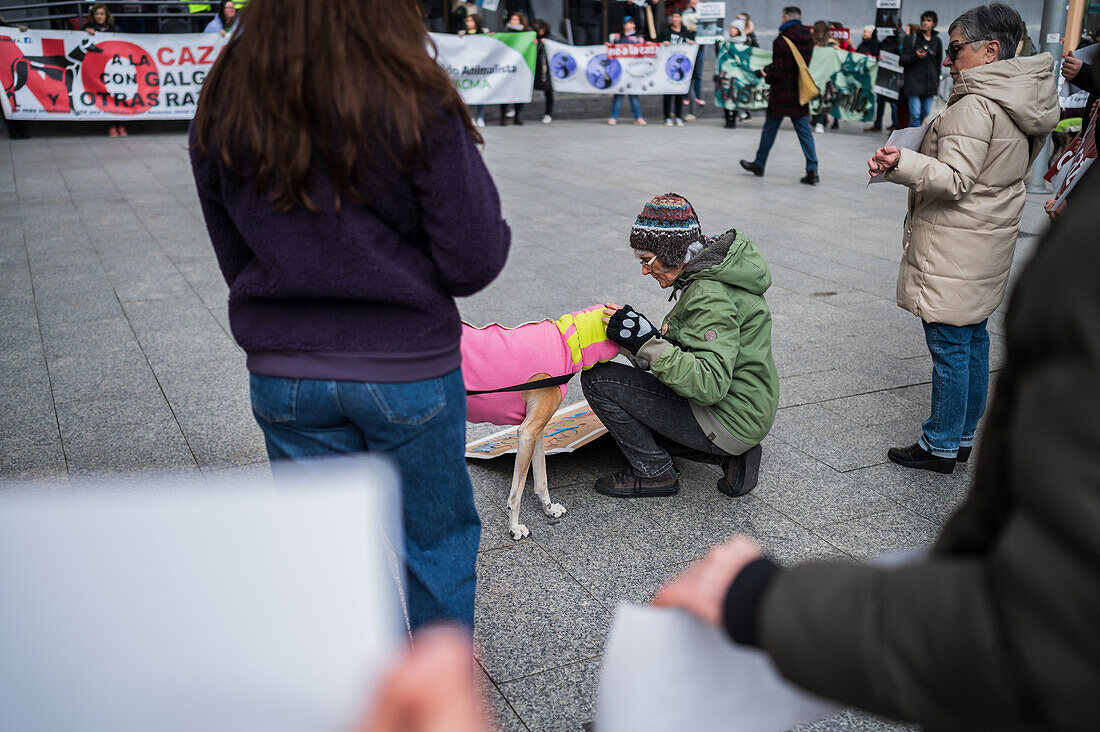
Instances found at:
x=667 y=670
x=167 y=605
x=909 y=138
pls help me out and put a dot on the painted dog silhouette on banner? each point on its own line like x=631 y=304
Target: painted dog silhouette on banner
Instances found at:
x=59 y=68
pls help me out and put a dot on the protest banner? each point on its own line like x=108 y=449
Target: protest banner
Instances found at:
x=636 y=68
x=840 y=34
x=571 y=427
x=846 y=81
x=642 y=68
x=887 y=18
x=59 y=75
x=489 y=69
x=711 y=25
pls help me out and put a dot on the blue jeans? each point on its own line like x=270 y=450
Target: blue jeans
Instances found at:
x=805 y=138
x=919 y=109
x=960 y=380
x=880 y=110
x=617 y=103
x=421 y=425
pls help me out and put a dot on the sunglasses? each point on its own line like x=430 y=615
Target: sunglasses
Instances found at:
x=954 y=48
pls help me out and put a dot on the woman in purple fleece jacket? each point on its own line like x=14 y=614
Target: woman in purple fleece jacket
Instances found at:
x=348 y=206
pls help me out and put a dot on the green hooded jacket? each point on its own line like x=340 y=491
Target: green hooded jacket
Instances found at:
x=716 y=348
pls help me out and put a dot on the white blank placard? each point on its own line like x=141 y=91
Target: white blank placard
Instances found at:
x=164 y=605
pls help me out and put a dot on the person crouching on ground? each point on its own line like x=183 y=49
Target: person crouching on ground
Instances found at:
x=711 y=389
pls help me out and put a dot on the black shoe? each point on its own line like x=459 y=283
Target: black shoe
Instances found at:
x=916 y=456
x=872 y=128
x=835 y=124
x=731 y=123
x=740 y=473
x=964 y=454
x=752 y=167
x=811 y=178
x=518 y=120
x=503 y=121
x=626 y=484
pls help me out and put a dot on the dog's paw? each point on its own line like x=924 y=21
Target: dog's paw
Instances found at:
x=554 y=510
x=520 y=532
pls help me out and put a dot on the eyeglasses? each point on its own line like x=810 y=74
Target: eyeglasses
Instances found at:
x=953 y=49
x=648 y=264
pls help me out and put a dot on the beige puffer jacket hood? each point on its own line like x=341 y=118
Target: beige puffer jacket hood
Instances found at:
x=966 y=189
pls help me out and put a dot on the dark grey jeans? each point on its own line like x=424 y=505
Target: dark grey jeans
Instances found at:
x=649 y=420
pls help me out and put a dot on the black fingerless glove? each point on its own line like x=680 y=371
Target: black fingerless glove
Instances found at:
x=630 y=329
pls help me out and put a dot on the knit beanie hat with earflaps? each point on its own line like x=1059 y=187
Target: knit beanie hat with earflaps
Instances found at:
x=667 y=226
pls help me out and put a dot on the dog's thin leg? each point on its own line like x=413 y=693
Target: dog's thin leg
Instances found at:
x=542 y=488
x=525 y=448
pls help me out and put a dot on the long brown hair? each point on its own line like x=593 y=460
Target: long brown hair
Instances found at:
x=110 y=19
x=335 y=82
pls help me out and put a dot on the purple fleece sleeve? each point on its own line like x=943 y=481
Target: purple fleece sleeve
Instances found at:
x=468 y=237
x=229 y=246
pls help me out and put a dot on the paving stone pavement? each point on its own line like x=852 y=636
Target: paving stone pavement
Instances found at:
x=116 y=354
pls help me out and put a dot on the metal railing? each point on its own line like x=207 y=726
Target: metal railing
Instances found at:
x=131 y=16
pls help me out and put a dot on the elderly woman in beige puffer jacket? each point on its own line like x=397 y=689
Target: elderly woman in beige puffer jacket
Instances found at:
x=966 y=199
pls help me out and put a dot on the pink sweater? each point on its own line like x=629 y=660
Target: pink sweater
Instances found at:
x=494 y=356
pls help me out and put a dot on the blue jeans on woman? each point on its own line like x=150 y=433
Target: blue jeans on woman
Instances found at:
x=880 y=110
x=960 y=380
x=919 y=109
x=617 y=104
x=421 y=425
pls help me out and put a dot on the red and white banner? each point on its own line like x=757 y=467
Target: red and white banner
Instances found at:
x=72 y=75
x=1070 y=167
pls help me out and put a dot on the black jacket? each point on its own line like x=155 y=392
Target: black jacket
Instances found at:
x=996 y=630
x=922 y=75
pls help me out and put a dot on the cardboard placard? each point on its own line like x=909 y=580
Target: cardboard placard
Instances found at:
x=570 y=427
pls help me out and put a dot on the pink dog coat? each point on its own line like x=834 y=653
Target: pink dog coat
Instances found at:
x=494 y=357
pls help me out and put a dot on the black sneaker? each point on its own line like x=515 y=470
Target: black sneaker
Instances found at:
x=626 y=484
x=917 y=457
x=964 y=454
x=752 y=167
x=811 y=178
x=740 y=473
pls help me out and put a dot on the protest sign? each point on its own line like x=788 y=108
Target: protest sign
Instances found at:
x=890 y=77
x=1071 y=165
x=887 y=18
x=840 y=34
x=846 y=81
x=570 y=427
x=711 y=22
x=638 y=68
x=1069 y=95
x=489 y=69
x=116 y=76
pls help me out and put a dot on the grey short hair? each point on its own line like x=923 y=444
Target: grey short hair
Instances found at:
x=996 y=22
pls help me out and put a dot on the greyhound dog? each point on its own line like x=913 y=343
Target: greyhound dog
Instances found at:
x=495 y=357
x=59 y=68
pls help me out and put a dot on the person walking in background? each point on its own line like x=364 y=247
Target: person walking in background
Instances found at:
x=921 y=55
x=890 y=44
x=543 y=82
x=627 y=36
x=675 y=33
x=782 y=75
x=967 y=186
x=743 y=31
x=345 y=232
x=225 y=21
x=517 y=23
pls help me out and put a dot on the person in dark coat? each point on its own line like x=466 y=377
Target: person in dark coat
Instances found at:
x=586 y=21
x=782 y=75
x=996 y=628
x=543 y=81
x=1085 y=77
x=921 y=56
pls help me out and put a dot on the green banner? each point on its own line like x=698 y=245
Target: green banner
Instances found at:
x=846 y=81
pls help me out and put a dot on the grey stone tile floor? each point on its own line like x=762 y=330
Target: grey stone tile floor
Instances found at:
x=116 y=355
